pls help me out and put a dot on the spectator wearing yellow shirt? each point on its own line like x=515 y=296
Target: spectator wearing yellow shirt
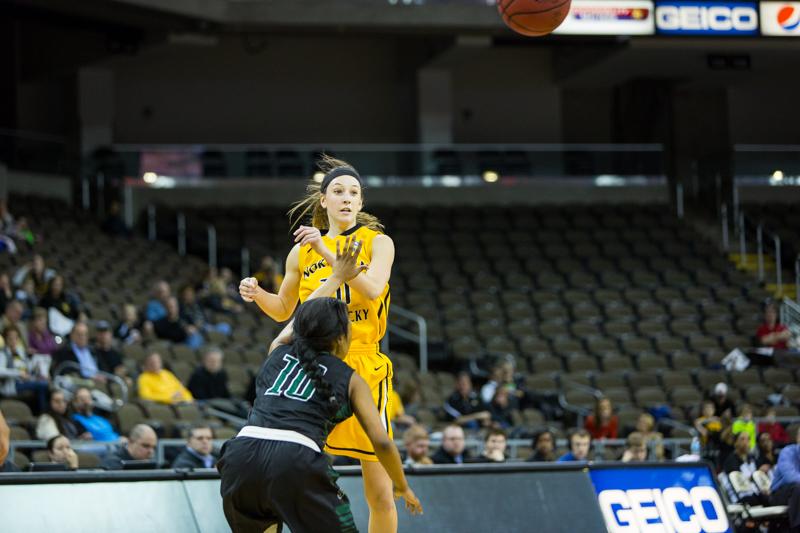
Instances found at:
x=160 y=385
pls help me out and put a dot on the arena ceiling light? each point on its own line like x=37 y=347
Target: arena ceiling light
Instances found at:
x=150 y=177
x=490 y=176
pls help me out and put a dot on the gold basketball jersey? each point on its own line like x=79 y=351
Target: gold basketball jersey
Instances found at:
x=368 y=317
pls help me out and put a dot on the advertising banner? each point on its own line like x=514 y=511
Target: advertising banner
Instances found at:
x=608 y=17
x=780 y=19
x=677 y=497
x=685 y=17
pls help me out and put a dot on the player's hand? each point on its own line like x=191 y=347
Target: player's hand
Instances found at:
x=346 y=266
x=248 y=288
x=309 y=235
x=412 y=502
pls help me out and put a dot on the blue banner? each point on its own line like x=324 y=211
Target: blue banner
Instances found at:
x=686 y=17
x=680 y=498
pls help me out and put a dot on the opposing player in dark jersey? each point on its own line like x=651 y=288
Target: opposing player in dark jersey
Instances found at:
x=274 y=471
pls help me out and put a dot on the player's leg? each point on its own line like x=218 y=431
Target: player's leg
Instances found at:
x=380 y=499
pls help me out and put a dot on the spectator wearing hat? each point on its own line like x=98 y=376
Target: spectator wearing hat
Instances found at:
x=723 y=405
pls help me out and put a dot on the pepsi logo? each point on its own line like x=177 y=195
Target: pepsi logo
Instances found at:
x=788 y=18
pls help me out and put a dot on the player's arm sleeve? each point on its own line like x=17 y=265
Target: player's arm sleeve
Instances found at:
x=367 y=415
x=372 y=282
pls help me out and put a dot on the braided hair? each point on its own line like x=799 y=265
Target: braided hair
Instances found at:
x=318 y=325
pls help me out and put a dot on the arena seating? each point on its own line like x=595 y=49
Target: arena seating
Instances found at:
x=626 y=299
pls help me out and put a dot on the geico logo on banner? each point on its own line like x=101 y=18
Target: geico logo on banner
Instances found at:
x=634 y=510
x=706 y=18
x=780 y=18
x=609 y=17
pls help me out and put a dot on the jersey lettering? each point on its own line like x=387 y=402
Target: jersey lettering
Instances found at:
x=346 y=298
x=301 y=388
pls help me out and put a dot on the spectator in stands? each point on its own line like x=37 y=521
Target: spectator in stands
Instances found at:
x=453 y=447
x=580 y=442
x=766 y=457
x=37 y=272
x=775 y=429
x=501 y=410
x=210 y=381
x=723 y=405
x=98 y=427
x=156 y=308
x=741 y=460
x=708 y=425
x=114 y=224
x=6 y=292
x=772 y=333
x=635 y=448
x=193 y=314
x=745 y=423
x=603 y=423
x=158 y=384
x=28 y=378
x=109 y=359
x=13 y=317
x=544 y=447
x=199 y=449
x=503 y=376
x=78 y=351
x=60 y=299
x=417 y=444
x=654 y=440
x=40 y=340
x=55 y=421
x=494 y=447
x=142 y=442
x=464 y=407
x=131 y=329
x=221 y=295
x=27 y=297
x=785 y=488
x=268 y=275
x=172 y=328
x=59 y=450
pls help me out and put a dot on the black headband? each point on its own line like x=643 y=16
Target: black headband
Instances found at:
x=335 y=173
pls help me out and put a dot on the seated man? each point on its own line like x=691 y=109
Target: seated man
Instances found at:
x=494 y=448
x=464 y=407
x=109 y=359
x=453 y=447
x=635 y=448
x=79 y=351
x=580 y=442
x=785 y=489
x=417 y=444
x=98 y=427
x=210 y=380
x=173 y=328
x=59 y=450
x=160 y=385
x=199 y=449
x=142 y=442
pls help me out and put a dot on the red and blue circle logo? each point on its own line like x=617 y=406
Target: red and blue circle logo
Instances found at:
x=789 y=18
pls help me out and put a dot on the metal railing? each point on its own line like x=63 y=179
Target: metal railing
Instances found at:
x=790 y=315
x=421 y=337
x=742 y=225
x=62 y=368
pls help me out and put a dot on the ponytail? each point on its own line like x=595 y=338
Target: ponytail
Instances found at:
x=307 y=354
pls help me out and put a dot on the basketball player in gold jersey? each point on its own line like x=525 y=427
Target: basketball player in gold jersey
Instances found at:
x=334 y=206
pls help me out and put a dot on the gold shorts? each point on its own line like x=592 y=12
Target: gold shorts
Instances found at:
x=348 y=438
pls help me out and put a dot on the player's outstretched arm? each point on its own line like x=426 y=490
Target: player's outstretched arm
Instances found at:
x=278 y=307
x=368 y=417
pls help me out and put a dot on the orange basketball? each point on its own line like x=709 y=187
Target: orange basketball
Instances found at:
x=533 y=17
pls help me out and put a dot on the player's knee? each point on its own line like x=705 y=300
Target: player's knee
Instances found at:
x=381 y=501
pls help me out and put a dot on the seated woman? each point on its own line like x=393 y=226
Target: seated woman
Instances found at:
x=59 y=450
x=603 y=423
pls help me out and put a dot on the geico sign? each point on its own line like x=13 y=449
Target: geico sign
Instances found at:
x=673 y=509
x=699 y=18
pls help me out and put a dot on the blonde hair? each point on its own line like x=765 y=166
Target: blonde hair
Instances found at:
x=310 y=206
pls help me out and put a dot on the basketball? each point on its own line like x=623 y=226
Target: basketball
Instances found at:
x=533 y=17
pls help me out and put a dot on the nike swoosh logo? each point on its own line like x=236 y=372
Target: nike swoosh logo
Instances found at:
x=377 y=368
